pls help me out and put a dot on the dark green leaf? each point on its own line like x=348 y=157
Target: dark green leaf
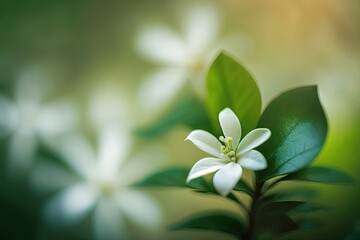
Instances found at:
x=308 y=208
x=309 y=224
x=189 y=112
x=230 y=85
x=293 y=194
x=173 y=177
x=298 y=126
x=277 y=207
x=322 y=175
x=243 y=187
x=274 y=222
x=227 y=223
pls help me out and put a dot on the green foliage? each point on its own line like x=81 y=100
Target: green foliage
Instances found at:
x=227 y=223
x=298 y=126
x=244 y=187
x=173 y=177
x=321 y=175
x=189 y=112
x=230 y=85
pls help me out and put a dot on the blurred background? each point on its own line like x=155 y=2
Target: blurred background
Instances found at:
x=77 y=77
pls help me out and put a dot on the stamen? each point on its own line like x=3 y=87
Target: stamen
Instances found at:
x=221 y=138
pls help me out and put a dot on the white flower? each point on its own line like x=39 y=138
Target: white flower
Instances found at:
x=230 y=154
x=25 y=118
x=183 y=58
x=99 y=186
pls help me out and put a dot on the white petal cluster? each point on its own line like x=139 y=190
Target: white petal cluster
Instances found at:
x=96 y=182
x=25 y=118
x=182 y=56
x=230 y=154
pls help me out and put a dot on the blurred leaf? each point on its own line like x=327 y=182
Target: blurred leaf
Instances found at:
x=308 y=208
x=274 y=222
x=322 y=175
x=308 y=224
x=295 y=194
x=243 y=187
x=173 y=177
x=278 y=207
x=189 y=112
x=298 y=126
x=229 y=84
x=227 y=223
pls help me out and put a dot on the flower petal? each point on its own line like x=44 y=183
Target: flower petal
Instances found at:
x=114 y=144
x=201 y=27
x=79 y=155
x=146 y=213
x=253 y=160
x=160 y=87
x=9 y=118
x=230 y=125
x=47 y=177
x=108 y=222
x=56 y=118
x=253 y=139
x=22 y=148
x=70 y=205
x=206 y=142
x=227 y=177
x=162 y=45
x=205 y=166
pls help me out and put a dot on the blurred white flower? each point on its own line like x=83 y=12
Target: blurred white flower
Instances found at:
x=26 y=118
x=183 y=57
x=230 y=154
x=99 y=185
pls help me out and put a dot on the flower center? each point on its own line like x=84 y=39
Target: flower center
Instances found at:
x=196 y=66
x=227 y=148
x=106 y=188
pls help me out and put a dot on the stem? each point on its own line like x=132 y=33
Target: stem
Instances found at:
x=251 y=228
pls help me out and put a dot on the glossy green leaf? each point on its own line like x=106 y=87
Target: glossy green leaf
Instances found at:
x=243 y=187
x=189 y=112
x=173 y=177
x=298 y=126
x=222 y=222
x=229 y=84
x=321 y=175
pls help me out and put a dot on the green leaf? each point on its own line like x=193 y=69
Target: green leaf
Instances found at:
x=173 y=177
x=229 y=84
x=189 y=112
x=227 y=223
x=277 y=207
x=308 y=208
x=298 y=129
x=302 y=194
x=274 y=222
x=243 y=187
x=321 y=175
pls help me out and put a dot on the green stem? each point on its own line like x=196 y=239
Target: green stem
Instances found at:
x=249 y=235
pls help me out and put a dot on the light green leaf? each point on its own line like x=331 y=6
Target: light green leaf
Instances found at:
x=321 y=175
x=173 y=177
x=298 y=126
x=222 y=222
x=189 y=112
x=229 y=84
